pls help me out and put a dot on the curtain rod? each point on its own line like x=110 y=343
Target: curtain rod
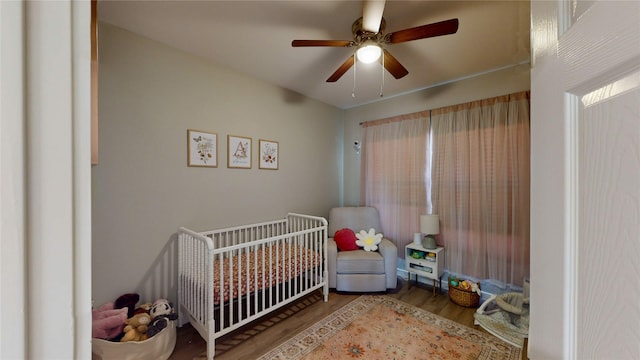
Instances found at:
x=501 y=98
x=395 y=118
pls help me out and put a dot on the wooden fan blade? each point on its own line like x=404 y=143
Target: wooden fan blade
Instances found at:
x=425 y=31
x=337 y=43
x=341 y=70
x=372 y=15
x=393 y=66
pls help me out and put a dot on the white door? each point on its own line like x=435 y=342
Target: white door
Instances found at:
x=45 y=180
x=585 y=180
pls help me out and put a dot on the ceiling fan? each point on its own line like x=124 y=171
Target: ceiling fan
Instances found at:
x=369 y=36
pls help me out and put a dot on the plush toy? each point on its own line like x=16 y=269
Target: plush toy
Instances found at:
x=136 y=328
x=157 y=325
x=128 y=301
x=107 y=322
x=144 y=308
x=160 y=307
x=160 y=322
x=161 y=313
x=161 y=301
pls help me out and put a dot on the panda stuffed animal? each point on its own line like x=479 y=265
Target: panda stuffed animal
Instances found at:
x=160 y=307
x=161 y=312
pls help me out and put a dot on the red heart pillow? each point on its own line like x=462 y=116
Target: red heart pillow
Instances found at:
x=346 y=240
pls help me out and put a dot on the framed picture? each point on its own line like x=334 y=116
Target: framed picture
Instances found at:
x=269 y=155
x=202 y=148
x=238 y=152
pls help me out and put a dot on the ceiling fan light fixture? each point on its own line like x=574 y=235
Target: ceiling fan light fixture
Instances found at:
x=369 y=52
x=369 y=39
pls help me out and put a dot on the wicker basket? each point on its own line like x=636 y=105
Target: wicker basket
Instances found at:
x=463 y=297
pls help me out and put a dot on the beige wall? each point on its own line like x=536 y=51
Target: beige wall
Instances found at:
x=143 y=191
x=484 y=86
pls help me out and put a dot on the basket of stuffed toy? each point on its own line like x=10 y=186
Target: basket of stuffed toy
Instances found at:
x=464 y=292
x=121 y=330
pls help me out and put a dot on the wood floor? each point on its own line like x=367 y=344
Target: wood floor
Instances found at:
x=264 y=334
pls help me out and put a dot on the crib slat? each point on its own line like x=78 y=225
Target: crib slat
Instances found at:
x=264 y=277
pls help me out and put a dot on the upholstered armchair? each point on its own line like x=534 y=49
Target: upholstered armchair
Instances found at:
x=359 y=270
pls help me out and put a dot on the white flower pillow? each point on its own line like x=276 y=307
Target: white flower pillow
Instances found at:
x=368 y=240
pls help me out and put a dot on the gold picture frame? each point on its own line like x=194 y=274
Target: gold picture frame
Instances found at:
x=202 y=148
x=238 y=152
x=269 y=153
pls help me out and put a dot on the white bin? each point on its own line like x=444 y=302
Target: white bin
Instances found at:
x=158 y=347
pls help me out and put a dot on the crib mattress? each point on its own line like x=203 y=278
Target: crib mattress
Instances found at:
x=259 y=269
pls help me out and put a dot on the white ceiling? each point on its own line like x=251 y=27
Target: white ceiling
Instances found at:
x=254 y=37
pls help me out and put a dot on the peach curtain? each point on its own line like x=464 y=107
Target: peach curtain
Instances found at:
x=394 y=167
x=480 y=186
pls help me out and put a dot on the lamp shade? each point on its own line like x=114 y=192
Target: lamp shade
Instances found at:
x=369 y=52
x=429 y=224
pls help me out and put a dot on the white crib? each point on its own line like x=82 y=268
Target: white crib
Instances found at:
x=230 y=277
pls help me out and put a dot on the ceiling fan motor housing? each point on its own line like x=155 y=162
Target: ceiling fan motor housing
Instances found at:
x=360 y=35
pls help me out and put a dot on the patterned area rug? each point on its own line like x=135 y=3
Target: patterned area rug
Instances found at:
x=381 y=327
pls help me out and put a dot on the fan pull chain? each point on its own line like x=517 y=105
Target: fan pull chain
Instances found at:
x=382 y=74
x=355 y=63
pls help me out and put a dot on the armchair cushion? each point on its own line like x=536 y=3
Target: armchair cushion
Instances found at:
x=360 y=262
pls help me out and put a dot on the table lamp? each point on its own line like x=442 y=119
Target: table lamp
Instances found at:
x=429 y=225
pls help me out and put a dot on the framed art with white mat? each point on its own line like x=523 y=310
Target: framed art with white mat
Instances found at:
x=269 y=154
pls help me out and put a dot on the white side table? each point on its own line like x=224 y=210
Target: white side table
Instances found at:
x=424 y=262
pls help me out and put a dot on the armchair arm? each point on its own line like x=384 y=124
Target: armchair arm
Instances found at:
x=332 y=257
x=389 y=252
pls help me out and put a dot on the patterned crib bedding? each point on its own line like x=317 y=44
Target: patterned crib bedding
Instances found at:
x=263 y=268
